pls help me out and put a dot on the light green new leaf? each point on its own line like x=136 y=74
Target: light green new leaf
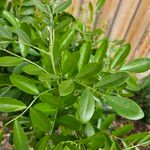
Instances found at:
x=101 y=52
x=41 y=6
x=40 y=120
x=62 y=6
x=137 y=65
x=114 y=79
x=89 y=70
x=120 y=55
x=9 y=61
x=8 y=104
x=10 y=17
x=67 y=39
x=19 y=137
x=69 y=122
x=89 y=130
x=24 y=83
x=66 y=87
x=33 y=70
x=86 y=106
x=85 y=52
x=42 y=144
x=107 y=121
x=123 y=130
x=125 y=107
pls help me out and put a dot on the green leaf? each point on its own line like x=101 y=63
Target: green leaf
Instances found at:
x=53 y=101
x=86 y=106
x=4 y=79
x=91 y=10
x=59 y=146
x=107 y=121
x=120 y=55
x=89 y=70
x=40 y=120
x=45 y=108
x=66 y=39
x=132 y=84
x=9 y=61
x=8 y=104
x=19 y=137
x=137 y=65
x=101 y=52
x=42 y=144
x=5 y=32
x=41 y=6
x=99 y=5
x=66 y=87
x=123 y=130
x=24 y=83
x=69 y=122
x=62 y=6
x=125 y=107
x=10 y=17
x=85 y=52
x=89 y=130
x=70 y=63
x=33 y=70
x=114 y=79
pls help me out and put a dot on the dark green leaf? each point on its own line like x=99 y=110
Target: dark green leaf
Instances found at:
x=123 y=130
x=86 y=106
x=125 y=107
x=89 y=70
x=4 y=79
x=42 y=144
x=101 y=52
x=40 y=120
x=66 y=87
x=107 y=121
x=120 y=55
x=137 y=65
x=10 y=104
x=19 y=137
x=85 y=52
x=9 y=61
x=114 y=79
x=69 y=122
x=24 y=83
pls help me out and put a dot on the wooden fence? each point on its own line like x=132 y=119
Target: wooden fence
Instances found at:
x=127 y=20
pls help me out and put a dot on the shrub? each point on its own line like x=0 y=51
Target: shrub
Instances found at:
x=60 y=84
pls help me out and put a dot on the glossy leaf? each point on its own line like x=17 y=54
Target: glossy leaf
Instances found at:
x=123 y=130
x=66 y=87
x=137 y=65
x=101 y=52
x=19 y=137
x=107 y=121
x=24 y=83
x=32 y=70
x=8 y=104
x=125 y=107
x=114 y=79
x=120 y=55
x=69 y=122
x=89 y=70
x=62 y=6
x=40 y=120
x=66 y=39
x=85 y=52
x=9 y=61
x=89 y=130
x=10 y=17
x=86 y=106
